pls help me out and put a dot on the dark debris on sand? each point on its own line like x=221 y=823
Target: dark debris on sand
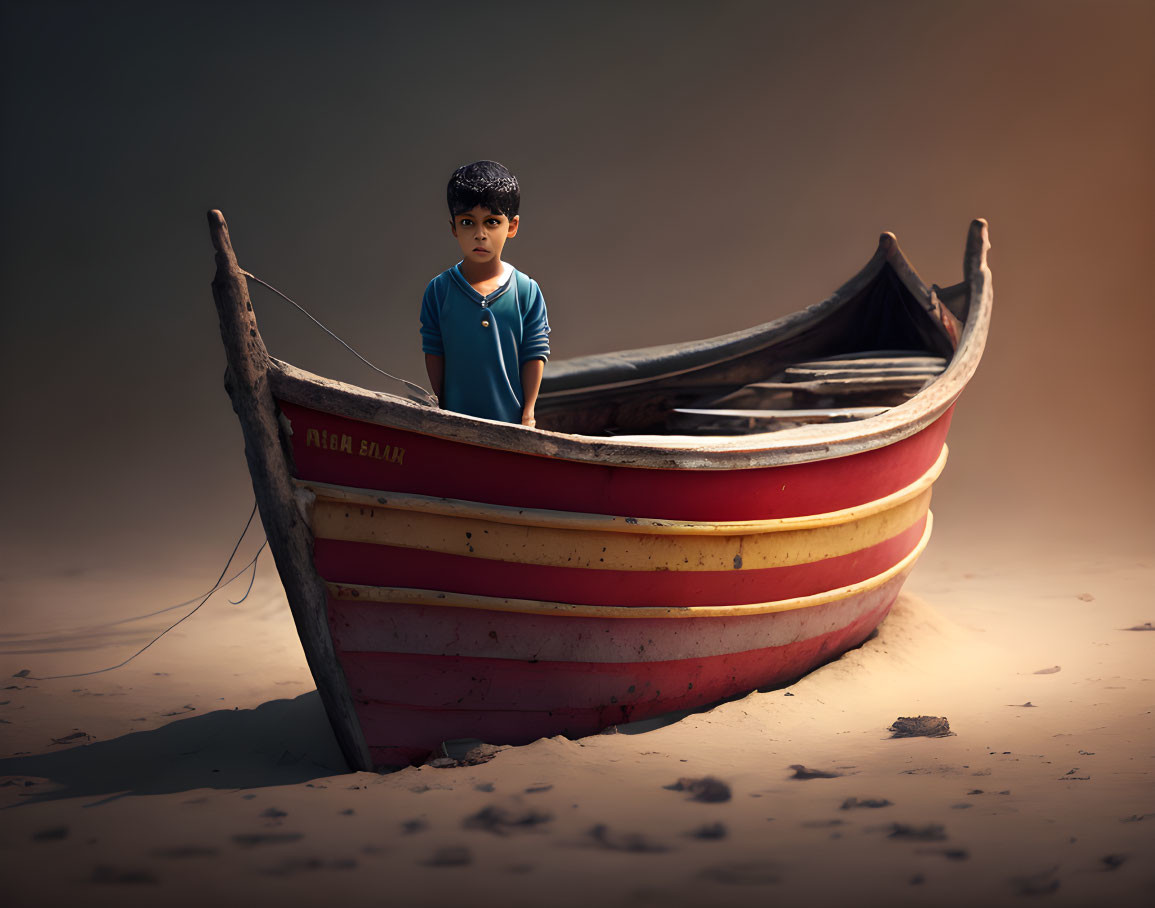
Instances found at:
x=471 y=754
x=801 y=772
x=633 y=842
x=951 y=854
x=852 y=803
x=185 y=851
x=1042 y=883
x=502 y=821
x=251 y=839
x=748 y=873
x=103 y=873
x=712 y=832
x=450 y=856
x=291 y=866
x=706 y=789
x=1145 y=626
x=920 y=727
x=932 y=832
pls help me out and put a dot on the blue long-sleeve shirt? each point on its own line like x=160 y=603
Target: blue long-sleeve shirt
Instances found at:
x=483 y=361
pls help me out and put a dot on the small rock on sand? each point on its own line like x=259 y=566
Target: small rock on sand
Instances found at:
x=707 y=789
x=292 y=866
x=709 y=832
x=185 y=851
x=103 y=873
x=53 y=834
x=633 y=842
x=1041 y=883
x=76 y=735
x=450 y=856
x=250 y=839
x=920 y=727
x=1049 y=671
x=743 y=874
x=951 y=854
x=1113 y=861
x=502 y=821
x=464 y=754
x=932 y=832
x=1145 y=626
x=852 y=803
x=801 y=772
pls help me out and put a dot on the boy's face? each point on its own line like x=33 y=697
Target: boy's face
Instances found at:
x=481 y=234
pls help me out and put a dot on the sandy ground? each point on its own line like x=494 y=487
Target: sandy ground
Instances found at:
x=204 y=771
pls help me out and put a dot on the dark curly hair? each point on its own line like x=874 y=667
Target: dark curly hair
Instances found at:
x=484 y=183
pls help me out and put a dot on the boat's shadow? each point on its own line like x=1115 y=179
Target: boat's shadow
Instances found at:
x=281 y=742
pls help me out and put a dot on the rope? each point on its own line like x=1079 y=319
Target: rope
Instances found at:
x=252 y=579
x=203 y=600
x=415 y=388
x=169 y=608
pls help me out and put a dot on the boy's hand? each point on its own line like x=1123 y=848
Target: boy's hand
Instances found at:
x=531 y=373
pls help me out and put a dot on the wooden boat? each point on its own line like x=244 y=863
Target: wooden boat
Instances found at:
x=688 y=522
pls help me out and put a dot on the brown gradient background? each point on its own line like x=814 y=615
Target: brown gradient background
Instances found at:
x=687 y=169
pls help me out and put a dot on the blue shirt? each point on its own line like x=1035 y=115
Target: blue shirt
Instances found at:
x=483 y=361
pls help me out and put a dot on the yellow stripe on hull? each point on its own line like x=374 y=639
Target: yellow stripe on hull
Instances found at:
x=399 y=596
x=600 y=550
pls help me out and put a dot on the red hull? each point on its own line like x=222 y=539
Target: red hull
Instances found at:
x=420 y=674
x=422 y=698
x=343 y=451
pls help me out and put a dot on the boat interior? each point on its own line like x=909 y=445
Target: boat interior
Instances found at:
x=865 y=350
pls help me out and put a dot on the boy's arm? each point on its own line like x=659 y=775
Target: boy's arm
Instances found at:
x=435 y=368
x=431 y=343
x=531 y=372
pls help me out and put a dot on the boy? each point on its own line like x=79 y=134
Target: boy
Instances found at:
x=484 y=329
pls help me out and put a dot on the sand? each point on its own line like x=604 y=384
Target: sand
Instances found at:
x=204 y=771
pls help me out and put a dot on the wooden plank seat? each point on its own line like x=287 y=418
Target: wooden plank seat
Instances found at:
x=715 y=420
x=915 y=366
x=842 y=385
x=807 y=372
x=831 y=389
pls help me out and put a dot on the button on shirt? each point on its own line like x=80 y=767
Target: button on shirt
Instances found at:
x=485 y=340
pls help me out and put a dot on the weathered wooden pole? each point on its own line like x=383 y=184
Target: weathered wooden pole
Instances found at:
x=269 y=458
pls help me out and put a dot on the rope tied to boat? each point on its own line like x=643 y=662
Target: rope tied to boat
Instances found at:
x=204 y=597
x=412 y=386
